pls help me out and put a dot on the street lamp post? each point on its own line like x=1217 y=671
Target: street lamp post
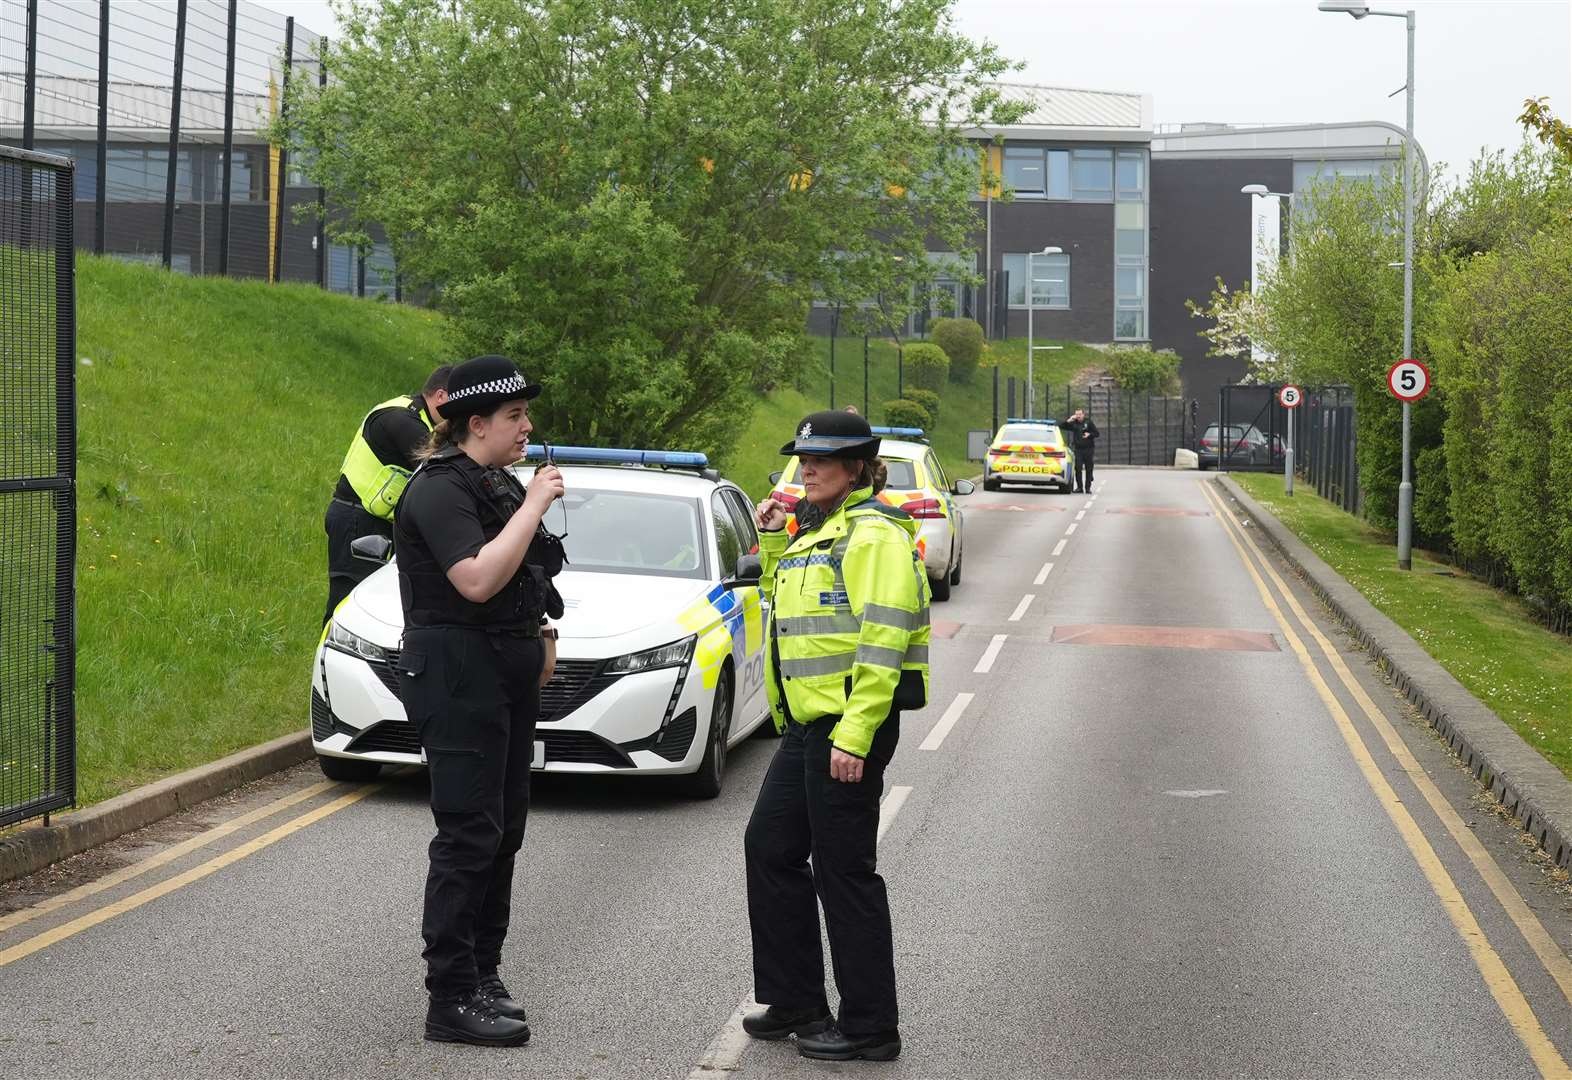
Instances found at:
x=1405 y=490
x=1254 y=190
x=1031 y=293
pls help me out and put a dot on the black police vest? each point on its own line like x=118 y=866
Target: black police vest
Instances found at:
x=429 y=598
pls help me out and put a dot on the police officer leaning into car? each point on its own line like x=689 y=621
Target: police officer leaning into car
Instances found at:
x=848 y=650
x=474 y=570
x=376 y=467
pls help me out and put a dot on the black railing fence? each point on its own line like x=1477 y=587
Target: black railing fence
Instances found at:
x=37 y=486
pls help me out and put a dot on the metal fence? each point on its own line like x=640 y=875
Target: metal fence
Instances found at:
x=37 y=486
x=1325 y=445
x=1251 y=432
x=1134 y=428
x=163 y=105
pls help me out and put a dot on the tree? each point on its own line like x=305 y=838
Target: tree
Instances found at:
x=638 y=201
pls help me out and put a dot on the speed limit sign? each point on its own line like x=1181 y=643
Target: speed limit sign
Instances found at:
x=1409 y=380
x=1290 y=396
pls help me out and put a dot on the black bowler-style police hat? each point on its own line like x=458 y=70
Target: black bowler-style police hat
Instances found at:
x=833 y=433
x=479 y=386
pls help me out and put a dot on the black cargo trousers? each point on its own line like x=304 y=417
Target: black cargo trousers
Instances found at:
x=1085 y=462
x=344 y=523
x=474 y=696
x=802 y=813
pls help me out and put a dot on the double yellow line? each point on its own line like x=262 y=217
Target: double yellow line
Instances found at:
x=93 y=918
x=1497 y=978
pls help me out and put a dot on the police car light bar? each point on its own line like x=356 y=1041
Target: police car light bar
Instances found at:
x=605 y=455
x=912 y=432
x=1031 y=420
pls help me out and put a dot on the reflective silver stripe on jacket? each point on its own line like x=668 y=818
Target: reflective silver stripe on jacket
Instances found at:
x=840 y=623
x=890 y=616
x=878 y=656
x=839 y=664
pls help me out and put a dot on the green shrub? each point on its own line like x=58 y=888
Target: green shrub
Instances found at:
x=1432 y=515
x=962 y=342
x=1144 y=371
x=926 y=367
x=903 y=412
x=928 y=400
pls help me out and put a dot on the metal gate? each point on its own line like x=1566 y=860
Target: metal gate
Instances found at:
x=1251 y=434
x=37 y=486
x=1325 y=443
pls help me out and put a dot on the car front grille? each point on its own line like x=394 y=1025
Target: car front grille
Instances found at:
x=387 y=737
x=582 y=748
x=574 y=683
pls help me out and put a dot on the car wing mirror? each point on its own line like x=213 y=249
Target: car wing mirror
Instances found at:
x=750 y=569
x=775 y=477
x=377 y=549
x=964 y=487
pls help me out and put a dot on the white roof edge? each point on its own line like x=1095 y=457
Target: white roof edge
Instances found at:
x=1269 y=138
x=1061 y=133
x=1148 y=115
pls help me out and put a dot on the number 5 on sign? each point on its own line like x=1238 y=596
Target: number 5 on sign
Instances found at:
x=1409 y=380
x=1290 y=396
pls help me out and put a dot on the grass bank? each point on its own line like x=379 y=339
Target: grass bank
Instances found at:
x=966 y=405
x=213 y=419
x=1486 y=638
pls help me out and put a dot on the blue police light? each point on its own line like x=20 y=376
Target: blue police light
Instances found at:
x=1031 y=420
x=605 y=455
x=910 y=432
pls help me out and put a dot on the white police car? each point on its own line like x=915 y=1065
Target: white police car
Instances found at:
x=660 y=663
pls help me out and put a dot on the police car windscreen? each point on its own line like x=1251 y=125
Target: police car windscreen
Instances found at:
x=625 y=532
x=899 y=473
x=1031 y=433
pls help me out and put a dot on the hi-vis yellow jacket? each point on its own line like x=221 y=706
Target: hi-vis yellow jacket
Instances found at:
x=848 y=620
x=378 y=486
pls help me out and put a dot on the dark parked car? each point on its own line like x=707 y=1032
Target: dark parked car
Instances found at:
x=1246 y=446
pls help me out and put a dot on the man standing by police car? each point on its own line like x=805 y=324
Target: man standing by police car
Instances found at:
x=1083 y=438
x=377 y=466
x=848 y=650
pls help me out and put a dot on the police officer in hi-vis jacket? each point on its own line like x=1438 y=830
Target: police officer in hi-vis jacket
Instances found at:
x=848 y=650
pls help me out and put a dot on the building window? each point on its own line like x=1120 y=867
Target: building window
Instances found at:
x=1051 y=280
x=1023 y=170
x=1129 y=323
x=1130 y=175
x=1037 y=173
x=138 y=175
x=1130 y=283
x=1091 y=175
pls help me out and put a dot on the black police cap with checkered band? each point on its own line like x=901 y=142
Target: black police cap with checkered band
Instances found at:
x=479 y=386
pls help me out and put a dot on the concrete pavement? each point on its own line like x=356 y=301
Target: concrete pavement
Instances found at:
x=1127 y=853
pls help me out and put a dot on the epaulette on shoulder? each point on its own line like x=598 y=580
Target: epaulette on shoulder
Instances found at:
x=894 y=513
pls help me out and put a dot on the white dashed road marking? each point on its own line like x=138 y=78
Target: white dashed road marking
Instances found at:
x=1071 y=530
x=990 y=654
x=1020 y=609
x=1042 y=575
x=935 y=737
x=1058 y=549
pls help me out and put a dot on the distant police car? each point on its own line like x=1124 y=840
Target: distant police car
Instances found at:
x=1029 y=452
x=917 y=483
x=660 y=664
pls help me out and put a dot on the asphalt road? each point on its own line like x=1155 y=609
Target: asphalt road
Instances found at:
x=1156 y=839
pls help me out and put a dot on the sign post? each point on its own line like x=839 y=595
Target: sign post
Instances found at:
x=1290 y=397
x=1408 y=380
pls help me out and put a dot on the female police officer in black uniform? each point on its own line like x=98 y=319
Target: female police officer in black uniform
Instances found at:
x=470 y=669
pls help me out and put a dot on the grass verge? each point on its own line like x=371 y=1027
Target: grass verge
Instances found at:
x=1486 y=638
x=214 y=416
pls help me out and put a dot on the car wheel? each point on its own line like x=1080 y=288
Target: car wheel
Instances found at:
x=940 y=586
x=991 y=485
x=350 y=769
x=955 y=575
x=706 y=783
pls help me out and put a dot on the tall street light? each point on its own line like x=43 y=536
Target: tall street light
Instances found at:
x=1031 y=293
x=1260 y=191
x=1405 y=491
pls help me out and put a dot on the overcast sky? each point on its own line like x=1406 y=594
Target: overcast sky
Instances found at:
x=1262 y=61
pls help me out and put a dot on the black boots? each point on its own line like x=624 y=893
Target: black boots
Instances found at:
x=835 y=1045
x=777 y=1023
x=472 y=1020
x=493 y=993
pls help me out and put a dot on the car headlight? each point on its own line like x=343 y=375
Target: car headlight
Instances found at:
x=350 y=642
x=676 y=654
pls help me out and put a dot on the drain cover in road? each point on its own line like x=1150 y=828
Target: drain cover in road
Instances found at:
x=1171 y=637
x=1202 y=793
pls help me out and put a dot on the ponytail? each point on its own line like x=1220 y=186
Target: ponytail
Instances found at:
x=443 y=435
